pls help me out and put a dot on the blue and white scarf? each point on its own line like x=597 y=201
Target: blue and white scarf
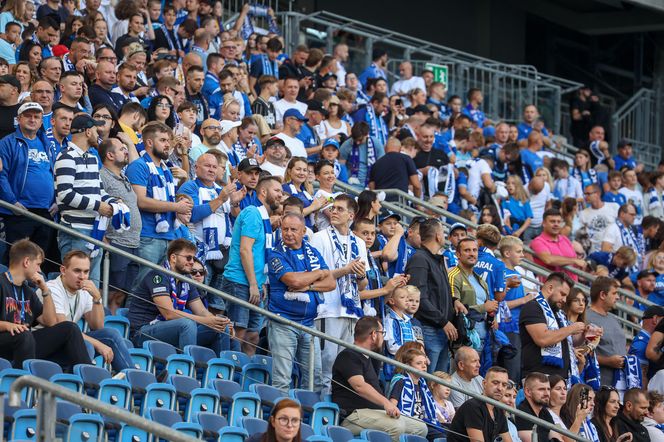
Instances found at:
x=654 y=201
x=163 y=189
x=240 y=151
x=588 y=430
x=407 y=401
x=269 y=67
x=121 y=221
x=310 y=263
x=69 y=66
x=354 y=161
x=553 y=354
x=214 y=226
x=596 y=151
x=629 y=376
x=347 y=284
x=585 y=178
x=450 y=183
x=378 y=129
x=179 y=300
x=632 y=237
x=267 y=228
x=573 y=360
x=591 y=372
x=402 y=328
x=377 y=305
x=302 y=191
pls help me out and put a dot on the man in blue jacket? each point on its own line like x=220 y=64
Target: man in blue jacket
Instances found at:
x=26 y=179
x=298 y=277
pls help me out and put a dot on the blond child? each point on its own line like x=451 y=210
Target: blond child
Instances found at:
x=398 y=327
x=441 y=394
x=413 y=306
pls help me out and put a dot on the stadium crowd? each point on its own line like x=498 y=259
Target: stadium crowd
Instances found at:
x=211 y=151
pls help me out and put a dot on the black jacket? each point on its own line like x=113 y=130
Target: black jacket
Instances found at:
x=628 y=425
x=427 y=272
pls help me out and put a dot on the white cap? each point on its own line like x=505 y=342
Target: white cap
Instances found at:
x=227 y=125
x=30 y=106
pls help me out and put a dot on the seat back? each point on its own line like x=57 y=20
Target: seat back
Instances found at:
x=376 y=436
x=219 y=368
x=254 y=426
x=159 y=351
x=307 y=399
x=92 y=376
x=70 y=381
x=204 y=400
x=324 y=414
x=25 y=425
x=239 y=359
x=141 y=359
x=115 y=392
x=268 y=394
x=86 y=427
x=189 y=428
x=306 y=431
x=4 y=363
x=337 y=434
x=211 y=423
x=411 y=438
x=232 y=434
x=164 y=416
x=200 y=354
x=132 y=434
x=158 y=396
x=226 y=390
x=41 y=368
x=119 y=323
x=263 y=360
x=182 y=365
x=244 y=405
x=254 y=374
x=7 y=378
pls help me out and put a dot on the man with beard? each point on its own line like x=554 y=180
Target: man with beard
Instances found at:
x=169 y=310
x=156 y=201
x=537 y=390
x=244 y=274
x=61 y=121
x=115 y=156
x=476 y=420
x=630 y=420
x=357 y=391
x=543 y=332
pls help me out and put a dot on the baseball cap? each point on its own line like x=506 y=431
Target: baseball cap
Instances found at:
x=331 y=142
x=248 y=164
x=386 y=214
x=83 y=122
x=11 y=80
x=274 y=140
x=294 y=113
x=30 y=106
x=316 y=106
x=421 y=108
x=623 y=143
x=488 y=152
x=227 y=125
x=643 y=273
x=653 y=310
x=456 y=226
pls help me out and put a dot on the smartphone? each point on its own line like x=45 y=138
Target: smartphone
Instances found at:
x=584 y=398
x=398 y=102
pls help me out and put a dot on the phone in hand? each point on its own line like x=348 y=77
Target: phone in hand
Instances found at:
x=585 y=394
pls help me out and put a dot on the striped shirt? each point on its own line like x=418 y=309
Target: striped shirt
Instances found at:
x=78 y=188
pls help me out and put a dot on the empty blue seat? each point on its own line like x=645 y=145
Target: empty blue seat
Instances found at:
x=92 y=377
x=324 y=414
x=269 y=396
x=71 y=381
x=180 y=365
x=160 y=352
x=375 y=436
x=307 y=399
x=211 y=423
x=132 y=434
x=115 y=392
x=411 y=438
x=119 y=323
x=306 y=431
x=232 y=434
x=159 y=395
x=189 y=428
x=41 y=368
x=141 y=358
x=164 y=416
x=239 y=359
x=86 y=427
x=244 y=405
x=7 y=378
x=226 y=390
x=254 y=426
x=200 y=354
x=204 y=400
x=338 y=434
x=4 y=363
x=139 y=381
x=218 y=368
x=25 y=425
x=263 y=360
x=255 y=374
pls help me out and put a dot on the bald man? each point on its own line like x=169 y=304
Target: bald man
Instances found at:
x=210 y=139
x=100 y=92
x=407 y=83
x=467 y=375
x=191 y=59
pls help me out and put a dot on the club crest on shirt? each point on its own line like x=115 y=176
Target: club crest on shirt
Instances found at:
x=157 y=279
x=276 y=265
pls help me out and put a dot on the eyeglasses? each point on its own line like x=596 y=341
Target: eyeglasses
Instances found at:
x=198 y=272
x=189 y=258
x=164 y=105
x=294 y=421
x=382 y=332
x=103 y=117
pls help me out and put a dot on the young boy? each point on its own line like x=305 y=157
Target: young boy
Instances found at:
x=458 y=231
x=396 y=249
x=511 y=251
x=413 y=306
x=615 y=183
x=269 y=87
x=565 y=185
x=330 y=152
x=397 y=324
x=625 y=157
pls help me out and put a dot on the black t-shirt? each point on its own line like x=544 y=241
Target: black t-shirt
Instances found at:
x=531 y=353
x=434 y=158
x=474 y=414
x=7 y=121
x=654 y=367
x=142 y=309
x=351 y=363
x=524 y=425
x=418 y=409
x=393 y=171
x=14 y=300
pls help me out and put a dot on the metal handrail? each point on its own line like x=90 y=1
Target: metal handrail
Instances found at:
x=46 y=410
x=274 y=317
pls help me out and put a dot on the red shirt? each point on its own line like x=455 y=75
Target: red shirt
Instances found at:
x=560 y=246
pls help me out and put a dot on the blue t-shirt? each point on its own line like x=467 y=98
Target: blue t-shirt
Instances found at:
x=605 y=259
x=638 y=347
x=285 y=260
x=491 y=269
x=621 y=162
x=531 y=159
x=250 y=224
x=481 y=297
x=450 y=257
x=518 y=211
x=441 y=141
x=307 y=136
x=525 y=129
x=38 y=192
x=512 y=326
x=139 y=174
x=405 y=251
x=618 y=198
x=474 y=114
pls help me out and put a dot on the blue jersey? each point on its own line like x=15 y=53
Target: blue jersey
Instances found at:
x=492 y=270
x=512 y=325
x=250 y=224
x=606 y=259
x=531 y=159
x=450 y=258
x=621 y=162
x=474 y=114
x=405 y=251
x=525 y=129
x=618 y=198
x=638 y=347
x=518 y=211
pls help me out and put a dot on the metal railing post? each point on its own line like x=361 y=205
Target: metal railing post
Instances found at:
x=106 y=273
x=312 y=365
x=46 y=417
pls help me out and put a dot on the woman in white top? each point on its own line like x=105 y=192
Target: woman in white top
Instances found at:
x=334 y=125
x=557 y=399
x=324 y=171
x=540 y=196
x=23 y=74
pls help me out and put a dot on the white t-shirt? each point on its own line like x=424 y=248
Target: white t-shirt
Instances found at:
x=538 y=204
x=273 y=169
x=322 y=241
x=635 y=197
x=568 y=187
x=402 y=87
x=613 y=237
x=596 y=221
x=320 y=219
x=72 y=305
x=478 y=168
x=281 y=106
x=295 y=146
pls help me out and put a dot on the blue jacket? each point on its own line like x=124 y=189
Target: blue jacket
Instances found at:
x=14 y=156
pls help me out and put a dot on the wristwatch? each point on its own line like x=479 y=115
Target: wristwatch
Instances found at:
x=98 y=301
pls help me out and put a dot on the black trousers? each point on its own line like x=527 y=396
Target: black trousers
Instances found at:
x=18 y=227
x=62 y=344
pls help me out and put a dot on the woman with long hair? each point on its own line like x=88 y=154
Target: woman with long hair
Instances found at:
x=569 y=209
x=557 y=398
x=296 y=184
x=284 y=424
x=334 y=125
x=577 y=411
x=489 y=215
x=72 y=25
x=575 y=306
x=104 y=112
x=32 y=53
x=517 y=212
x=13 y=11
x=607 y=405
x=161 y=109
x=583 y=171
x=368 y=205
x=324 y=171
x=23 y=74
x=246 y=145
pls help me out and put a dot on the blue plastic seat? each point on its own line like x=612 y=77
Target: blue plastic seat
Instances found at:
x=307 y=399
x=71 y=381
x=86 y=427
x=119 y=323
x=255 y=374
x=263 y=360
x=160 y=352
x=41 y=368
x=239 y=359
x=324 y=414
x=317 y=438
x=232 y=434
x=141 y=358
x=9 y=411
x=219 y=368
x=7 y=378
x=139 y=381
x=132 y=434
x=306 y=431
x=4 y=363
x=165 y=417
x=254 y=426
x=92 y=377
x=129 y=343
x=25 y=425
x=190 y=429
x=244 y=405
x=205 y=400
x=115 y=392
x=411 y=438
x=182 y=365
x=226 y=390
x=184 y=385
x=201 y=357
x=375 y=436
x=337 y=434
x=158 y=395
x=269 y=396
x=211 y=423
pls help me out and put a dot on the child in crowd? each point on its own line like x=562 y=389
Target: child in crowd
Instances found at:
x=517 y=213
x=458 y=231
x=182 y=223
x=615 y=183
x=330 y=152
x=392 y=240
x=441 y=394
x=398 y=327
x=325 y=175
x=565 y=185
x=413 y=306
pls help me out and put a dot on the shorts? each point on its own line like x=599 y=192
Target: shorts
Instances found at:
x=123 y=271
x=241 y=317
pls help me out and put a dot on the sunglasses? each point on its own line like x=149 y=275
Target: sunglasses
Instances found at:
x=198 y=272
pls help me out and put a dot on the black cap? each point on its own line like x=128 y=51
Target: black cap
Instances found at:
x=272 y=141
x=11 y=80
x=419 y=108
x=386 y=214
x=622 y=143
x=315 y=105
x=248 y=164
x=644 y=273
x=83 y=122
x=653 y=310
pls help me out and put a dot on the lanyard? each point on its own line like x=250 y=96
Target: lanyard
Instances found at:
x=9 y=276
x=72 y=312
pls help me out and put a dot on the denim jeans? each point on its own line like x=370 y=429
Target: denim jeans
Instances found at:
x=182 y=332
x=242 y=317
x=436 y=348
x=67 y=243
x=294 y=347
x=150 y=249
x=112 y=338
